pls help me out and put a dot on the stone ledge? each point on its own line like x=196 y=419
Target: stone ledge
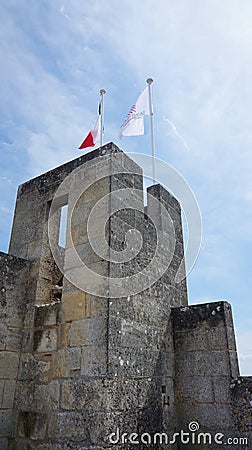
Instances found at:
x=189 y=317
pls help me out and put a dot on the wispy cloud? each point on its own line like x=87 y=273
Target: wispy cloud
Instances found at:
x=62 y=10
x=5 y=179
x=175 y=131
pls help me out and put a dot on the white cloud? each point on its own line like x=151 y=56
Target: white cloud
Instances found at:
x=176 y=133
x=5 y=179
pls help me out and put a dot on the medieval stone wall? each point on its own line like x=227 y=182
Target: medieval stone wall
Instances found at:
x=207 y=378
x=103 y=350
x=14 y=307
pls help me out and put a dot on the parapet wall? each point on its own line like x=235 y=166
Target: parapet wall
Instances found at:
x=209 y=390
x=14 y=307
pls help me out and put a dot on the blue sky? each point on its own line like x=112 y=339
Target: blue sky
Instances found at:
x=57 y=55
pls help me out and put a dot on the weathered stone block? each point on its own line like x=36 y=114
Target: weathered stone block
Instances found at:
x=89 y=428
x=14 y=339
x=6 y=424
x=44 y=288
x=94 y=360
x=78 y=234
x=200 y=391
x=104 y=394
x=64 y=330
x=32 y=425
x=195 y=316
x=101 y=269
x=39 y=397
x=8 y=364
x=24 y=395
x=43 y=371
x=83 y=394
x=72 y=260
x=132 y=333
x=201 y=339
x=154 y=313
x=34 y=249
x=88 y=255
x=45 y=341
x=213 y=416
x=88 y=332
x=13 y=277
x=213 y=363
x=47 y=396
x=46 y=315
x=131 y=394
x=66 y=362
x=75 y=305
x=27 y=367
x=97 y=189
x=81 y=213
x=98 y=306
x=139 y=362
x=128 y=163
x=8 y=394
x=78 y=277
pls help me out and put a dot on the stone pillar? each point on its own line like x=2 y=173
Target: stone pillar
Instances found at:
x=206 y=363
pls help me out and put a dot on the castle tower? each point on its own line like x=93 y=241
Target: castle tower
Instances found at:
x=98 y=341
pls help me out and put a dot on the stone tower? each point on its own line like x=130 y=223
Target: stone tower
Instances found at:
x=98 y=346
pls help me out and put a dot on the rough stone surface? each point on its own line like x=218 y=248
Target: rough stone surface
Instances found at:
x=241 y=397
x=209 y=389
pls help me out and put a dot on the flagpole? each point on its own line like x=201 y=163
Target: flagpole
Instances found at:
x=102 y=92
x=149 y=81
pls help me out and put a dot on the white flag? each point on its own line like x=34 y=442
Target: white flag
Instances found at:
x=134 y=121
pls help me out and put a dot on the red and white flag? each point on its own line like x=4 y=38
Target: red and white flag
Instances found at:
x=93 y=136
x=134 y=121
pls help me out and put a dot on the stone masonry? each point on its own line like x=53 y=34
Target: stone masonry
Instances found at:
x=106 y=358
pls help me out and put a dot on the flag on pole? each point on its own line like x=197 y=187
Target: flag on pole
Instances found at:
x=93 y=136
x=134 y=121
x=96 y=134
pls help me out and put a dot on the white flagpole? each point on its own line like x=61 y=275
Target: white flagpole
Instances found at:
x=149 y=81
x=102 y=92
